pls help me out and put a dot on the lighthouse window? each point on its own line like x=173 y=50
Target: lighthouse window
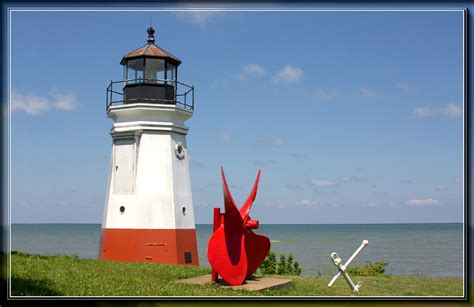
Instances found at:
x=155 y=70
x=183 y=209
x=179 y=151
x=170 y=73
x=135 y=70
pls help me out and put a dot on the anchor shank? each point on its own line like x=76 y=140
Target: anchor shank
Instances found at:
x=364 y=243
x=349 y=281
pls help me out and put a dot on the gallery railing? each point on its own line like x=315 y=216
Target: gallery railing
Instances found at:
x=183 y=93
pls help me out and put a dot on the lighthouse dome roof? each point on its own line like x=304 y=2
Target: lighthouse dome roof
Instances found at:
x=150 y=50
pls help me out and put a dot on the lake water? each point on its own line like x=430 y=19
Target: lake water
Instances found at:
x=410 y=249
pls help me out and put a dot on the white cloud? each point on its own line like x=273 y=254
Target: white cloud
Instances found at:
x=422 y=202
x=306 y=204
x=64 y=102
x=322 y=94
x=288 y=74
x=450 y=110
x=265 y=143
x=423 y=111
x=367 y=93
x=278 y=142
x=36 y=105
x=226 y=137
x=200 y=18
x=352 y=179
x=31 y=104
x=321 y=183
x=251 y=70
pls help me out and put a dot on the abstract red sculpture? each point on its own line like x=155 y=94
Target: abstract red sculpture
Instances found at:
x=234 y=250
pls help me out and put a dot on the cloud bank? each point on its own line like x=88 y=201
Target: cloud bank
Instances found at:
x=36 y=105
x=422 y=202
x=251 y=70
x=321 y=183
x=200 y=18
x=450 y=110
x=288 y=74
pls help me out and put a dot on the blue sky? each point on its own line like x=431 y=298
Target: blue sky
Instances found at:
x=353 y=117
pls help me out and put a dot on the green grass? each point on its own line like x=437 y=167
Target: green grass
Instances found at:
x=34 y=275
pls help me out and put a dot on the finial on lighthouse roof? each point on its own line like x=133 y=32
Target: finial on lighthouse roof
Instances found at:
x=151 y=37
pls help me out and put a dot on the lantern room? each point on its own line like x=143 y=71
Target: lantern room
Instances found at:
x=150 y=73
x=150 y=76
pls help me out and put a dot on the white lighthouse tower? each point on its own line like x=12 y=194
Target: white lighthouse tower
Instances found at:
x=148 y=213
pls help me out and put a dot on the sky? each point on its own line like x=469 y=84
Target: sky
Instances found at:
x=353 y=117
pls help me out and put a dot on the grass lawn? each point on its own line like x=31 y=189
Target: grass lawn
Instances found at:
x=34 y=275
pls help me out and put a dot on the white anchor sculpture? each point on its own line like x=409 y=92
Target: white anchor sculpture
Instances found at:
x=342 y=267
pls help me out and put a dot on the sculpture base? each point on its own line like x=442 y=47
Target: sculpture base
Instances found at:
x=168 y=246
x=251 y=284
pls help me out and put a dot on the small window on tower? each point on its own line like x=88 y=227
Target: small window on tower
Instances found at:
x=179 y=148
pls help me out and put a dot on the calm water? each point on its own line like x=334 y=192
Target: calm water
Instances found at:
x=410 y=249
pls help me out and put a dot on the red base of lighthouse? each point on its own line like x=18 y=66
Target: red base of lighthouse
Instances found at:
x=170 y=246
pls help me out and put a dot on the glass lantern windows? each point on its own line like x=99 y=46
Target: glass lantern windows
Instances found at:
x=154 y=70
x=135 y=69
x=170 y=74
x=150 y=70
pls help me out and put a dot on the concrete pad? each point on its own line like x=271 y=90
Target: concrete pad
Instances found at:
x=251 y=284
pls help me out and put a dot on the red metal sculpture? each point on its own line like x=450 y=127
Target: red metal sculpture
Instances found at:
x=234 y=250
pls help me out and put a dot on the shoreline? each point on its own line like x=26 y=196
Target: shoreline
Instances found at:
x=404 y=247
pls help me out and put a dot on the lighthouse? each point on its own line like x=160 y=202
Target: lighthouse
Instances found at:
x=148 y=214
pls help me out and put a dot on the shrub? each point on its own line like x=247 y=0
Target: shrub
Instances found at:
x=289 y=264
x=296 y=269
x=282 y=269
x=269 y=265
x=369 y=269
x=285 y=266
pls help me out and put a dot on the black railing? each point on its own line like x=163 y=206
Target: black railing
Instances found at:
x=115 y=93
